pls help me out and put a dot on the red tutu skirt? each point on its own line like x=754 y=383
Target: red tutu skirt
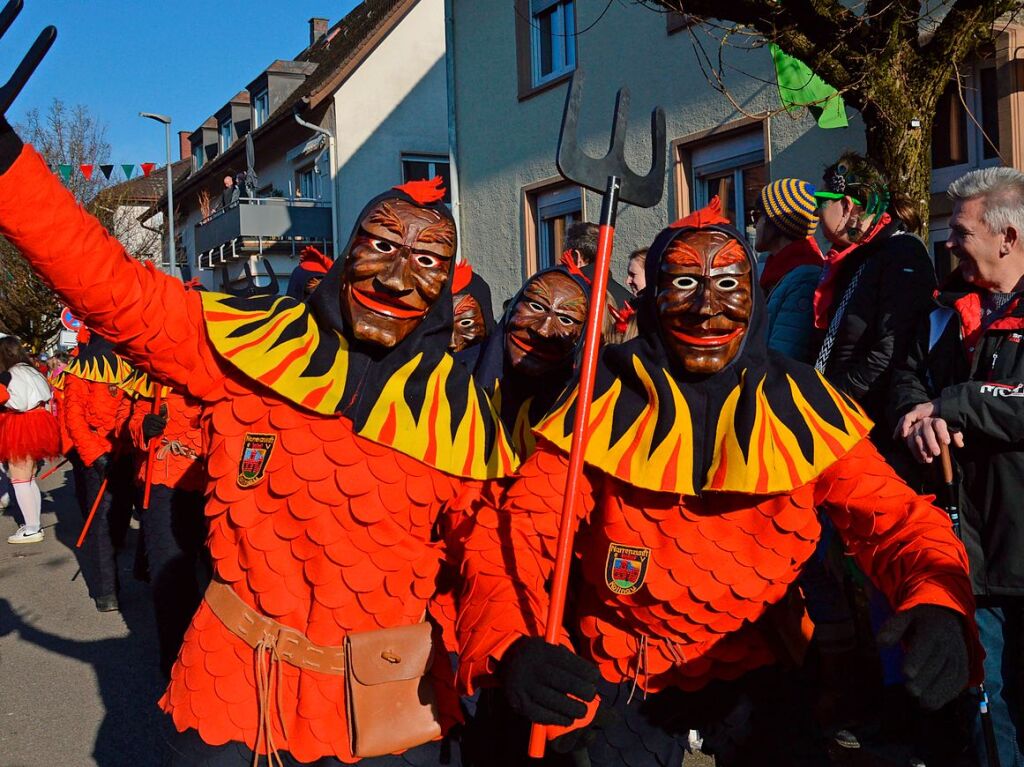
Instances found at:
x=34 y=435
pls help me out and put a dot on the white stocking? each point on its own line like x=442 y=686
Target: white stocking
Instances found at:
x=30 y=501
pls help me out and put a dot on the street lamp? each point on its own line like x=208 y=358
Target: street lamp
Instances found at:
x=172 y=260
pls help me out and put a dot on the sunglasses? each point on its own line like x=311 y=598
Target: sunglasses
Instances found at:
x=825 y=197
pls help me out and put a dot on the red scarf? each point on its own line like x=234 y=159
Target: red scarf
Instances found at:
x=797 y=253
x=824 y=295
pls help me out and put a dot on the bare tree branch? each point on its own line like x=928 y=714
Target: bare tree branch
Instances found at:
x=968 y=23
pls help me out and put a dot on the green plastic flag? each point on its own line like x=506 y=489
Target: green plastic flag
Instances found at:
x=800 y=87
x=128 y=169
x=64 y=170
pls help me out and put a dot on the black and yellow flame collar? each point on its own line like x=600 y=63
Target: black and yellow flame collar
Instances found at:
x=422 y=404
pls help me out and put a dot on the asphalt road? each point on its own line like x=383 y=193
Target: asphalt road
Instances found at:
x=77 y=687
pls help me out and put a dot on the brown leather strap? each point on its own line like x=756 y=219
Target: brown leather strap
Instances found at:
x=259 y=631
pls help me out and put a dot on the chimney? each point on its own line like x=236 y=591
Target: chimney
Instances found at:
x=184 y=145
x=317 y=29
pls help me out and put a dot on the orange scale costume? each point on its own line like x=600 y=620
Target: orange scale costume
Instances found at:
x=381 y=455
x=684 y=558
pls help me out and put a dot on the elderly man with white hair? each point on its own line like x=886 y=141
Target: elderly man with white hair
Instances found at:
x=962 y=385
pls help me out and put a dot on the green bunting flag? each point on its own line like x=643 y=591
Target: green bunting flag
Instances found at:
x=106 y=170
x=128 y=169
x=65 y=171
x=800 y=87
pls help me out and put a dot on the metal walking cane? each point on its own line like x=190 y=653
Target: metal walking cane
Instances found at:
x=611 y=177
x=952 y=506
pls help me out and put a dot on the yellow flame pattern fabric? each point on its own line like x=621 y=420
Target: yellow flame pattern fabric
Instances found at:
x=770 y=462
x=252 y=340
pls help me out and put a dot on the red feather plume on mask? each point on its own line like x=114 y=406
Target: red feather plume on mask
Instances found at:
x=706 y=216
x=312 y=260
x=462 y=276
x=424 y=192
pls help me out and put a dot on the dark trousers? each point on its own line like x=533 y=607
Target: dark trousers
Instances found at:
x=99 y=542
x=186 y=749
x=173 y=532
x=1001 y=626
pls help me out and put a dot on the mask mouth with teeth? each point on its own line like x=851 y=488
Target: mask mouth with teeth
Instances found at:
x=704 y=299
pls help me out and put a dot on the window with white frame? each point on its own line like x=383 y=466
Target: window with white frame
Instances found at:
x=553 y=39
x=260 y=109
x=198 y=155
x=225 y=135
x=417 y=167
x=965 y=134
x=554 y=210
x=732 y=168
x=307 y=182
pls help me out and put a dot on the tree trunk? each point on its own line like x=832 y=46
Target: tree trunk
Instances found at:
x=898 y=107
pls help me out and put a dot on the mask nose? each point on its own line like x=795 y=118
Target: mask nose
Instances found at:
x=394 y=277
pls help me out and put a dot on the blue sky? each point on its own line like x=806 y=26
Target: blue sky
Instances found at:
x=182 y=58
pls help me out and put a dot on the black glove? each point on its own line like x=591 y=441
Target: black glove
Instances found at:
x=538 y=679
x=153 y=425
x=101 y=464
x=5 y=378
x=936 y=652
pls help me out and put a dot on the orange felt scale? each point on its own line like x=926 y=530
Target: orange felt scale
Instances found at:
x=294 y=543
x=716 y=563
x=183 y=469
x=93 y=413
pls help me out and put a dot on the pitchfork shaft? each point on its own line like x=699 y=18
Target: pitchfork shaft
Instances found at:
x=585 y=392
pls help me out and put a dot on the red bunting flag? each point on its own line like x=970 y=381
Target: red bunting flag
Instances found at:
x=86 y=171
x=147 y=167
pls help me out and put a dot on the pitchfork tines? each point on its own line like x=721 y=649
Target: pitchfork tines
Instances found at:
x=592 y=172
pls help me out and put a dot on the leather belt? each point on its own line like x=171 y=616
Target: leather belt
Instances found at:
x=263 y=633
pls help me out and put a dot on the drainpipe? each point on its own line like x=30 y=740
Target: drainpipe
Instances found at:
x=453 y=147
x=334 y=187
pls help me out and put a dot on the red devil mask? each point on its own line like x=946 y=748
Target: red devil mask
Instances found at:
x=395 y=271
x=545 y=324
x=704 y=299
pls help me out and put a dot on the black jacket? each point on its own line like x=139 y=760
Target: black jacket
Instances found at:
x=893 y=292
x=981 y=394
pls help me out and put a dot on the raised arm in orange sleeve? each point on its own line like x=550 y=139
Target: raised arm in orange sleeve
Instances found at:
x=152 y=318
x=507 y=560
x=901 y=541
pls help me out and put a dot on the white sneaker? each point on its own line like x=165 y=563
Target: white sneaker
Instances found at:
x=5 y=501
x=24 y=536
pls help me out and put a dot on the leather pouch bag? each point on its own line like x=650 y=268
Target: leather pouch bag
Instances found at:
x=390 y=700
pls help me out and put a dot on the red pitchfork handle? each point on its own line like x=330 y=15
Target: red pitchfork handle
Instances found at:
x=92 y=513
x=585 y=392
x=151 y=452
x=51 y=470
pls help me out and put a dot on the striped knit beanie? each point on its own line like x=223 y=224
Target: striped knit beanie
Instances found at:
x=790 y=205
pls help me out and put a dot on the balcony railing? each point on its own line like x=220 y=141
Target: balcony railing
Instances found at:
x=256 y=225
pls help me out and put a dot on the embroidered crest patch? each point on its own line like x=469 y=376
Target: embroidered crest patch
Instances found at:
x=626 y=568
x=255 y=455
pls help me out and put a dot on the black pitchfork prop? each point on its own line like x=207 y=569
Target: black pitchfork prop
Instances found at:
x=611 y=177
x=10 y=90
